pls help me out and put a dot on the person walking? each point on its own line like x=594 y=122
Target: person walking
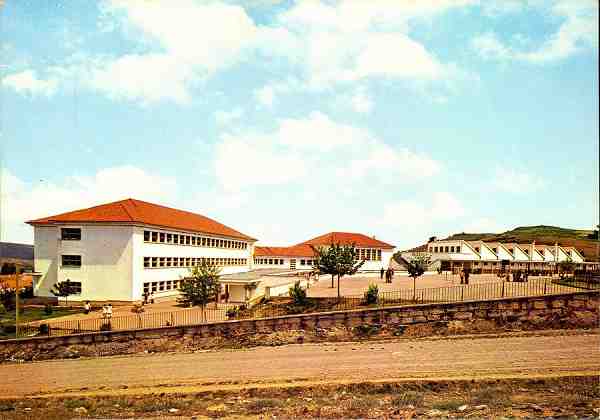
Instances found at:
x=109 y=311
x=87 y=307
x=145 y=297
x=381 y=273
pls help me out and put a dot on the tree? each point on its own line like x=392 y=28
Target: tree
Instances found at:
x=337 y=260
x=201 y=287
x=416 y=267
x=566 y=266
x=63 y=289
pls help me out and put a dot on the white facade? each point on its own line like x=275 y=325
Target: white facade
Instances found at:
x=114 y=260
x=490 y=255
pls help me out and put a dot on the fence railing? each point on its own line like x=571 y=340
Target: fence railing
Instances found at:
x=462 y=293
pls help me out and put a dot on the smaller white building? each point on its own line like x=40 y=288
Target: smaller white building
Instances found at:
x=376 y=254
x=489 y=257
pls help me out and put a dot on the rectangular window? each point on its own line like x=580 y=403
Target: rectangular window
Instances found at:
x=169 y=262
x=451 y=249
x=146 y=287
x=146 y=236
x=146 y=262
x=70 y=234
x=71 y=260
x=154 y=236
x=458 y=249
x=75 y=287
x=161 y=285
x=154 y=262
x=446 y=249
x=169 y=284
x=379 y=255
x=161 y=238
x=169 y=238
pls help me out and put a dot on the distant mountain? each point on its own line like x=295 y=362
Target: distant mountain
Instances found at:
x=584 y=240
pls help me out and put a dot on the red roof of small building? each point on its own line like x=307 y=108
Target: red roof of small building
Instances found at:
x=136 y=211
x=348 y=238
x=284 y=251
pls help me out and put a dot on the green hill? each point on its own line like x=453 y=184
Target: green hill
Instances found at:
x=584 y=240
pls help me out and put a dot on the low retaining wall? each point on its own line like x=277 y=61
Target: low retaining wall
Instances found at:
x=574 y=310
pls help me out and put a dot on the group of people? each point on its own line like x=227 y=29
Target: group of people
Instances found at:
x=107 y=311
x=148 y=297
x=389 y=274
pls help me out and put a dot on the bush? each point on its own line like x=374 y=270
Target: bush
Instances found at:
x=372 y=294
x=2 y=309
x=298 y=294
x=48 y=309
x=233 y=312
x=43 y=329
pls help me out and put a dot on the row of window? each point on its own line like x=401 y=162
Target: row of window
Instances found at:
x=160 y=286
x=367 y=254
x=151 y=236
x=174 y=262
x=445 y=249
x=268 y=261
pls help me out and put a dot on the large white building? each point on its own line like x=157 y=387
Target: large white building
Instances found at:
x=495 y=256
x=376 y=254
x=119 y=250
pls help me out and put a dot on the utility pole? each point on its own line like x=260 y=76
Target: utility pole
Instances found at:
x=17 y=299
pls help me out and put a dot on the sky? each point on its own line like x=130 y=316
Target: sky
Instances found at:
x=285 y=120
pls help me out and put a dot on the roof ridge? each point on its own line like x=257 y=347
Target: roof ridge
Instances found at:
x=122 y=204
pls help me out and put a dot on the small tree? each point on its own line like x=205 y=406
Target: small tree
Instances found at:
x=298 y=294
x=201 y=287
x=372 y=294
x=565 y=267
x=416 y=267
x=63 y=289
x=337 y=260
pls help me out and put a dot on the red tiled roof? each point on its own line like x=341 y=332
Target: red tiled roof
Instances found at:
x=136 y=211
x=347 y=238
x=284 y=251
x=420 y=248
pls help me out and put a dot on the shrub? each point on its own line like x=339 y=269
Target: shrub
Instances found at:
x=372 y=294
x=43 y=329
x=2 y=309
x=233 y=312
x=48 y=309
x=298 y=294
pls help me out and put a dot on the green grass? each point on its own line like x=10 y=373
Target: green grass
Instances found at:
x=36 y=314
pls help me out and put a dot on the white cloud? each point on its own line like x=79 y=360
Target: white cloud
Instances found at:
x=227 y=117
x=313 y=150
x=513 y=181
x=265 y=95
x=577 y=32
x=412 y=214
x=361 y=102
x=24 y=201
x=27 y=82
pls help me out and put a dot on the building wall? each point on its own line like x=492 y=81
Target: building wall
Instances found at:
x=143 y=249
x=106 y=269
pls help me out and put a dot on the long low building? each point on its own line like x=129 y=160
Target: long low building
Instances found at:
x=452 y=255
x=120 y=250
x=376 y=254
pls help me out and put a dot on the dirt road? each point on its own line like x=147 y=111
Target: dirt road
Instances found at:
x=402 y=359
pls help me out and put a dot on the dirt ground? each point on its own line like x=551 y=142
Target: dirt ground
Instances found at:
x=357 y=285
x=474 y=357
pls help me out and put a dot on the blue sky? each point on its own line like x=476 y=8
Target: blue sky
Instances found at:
x=286 y=120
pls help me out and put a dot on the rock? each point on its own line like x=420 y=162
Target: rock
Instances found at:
x=480 y=407
x=536 y=407
x=27 y=409
x=434 y=413
x=173 y=410
x=217 y=407
x=463 y=407
x=80 y=410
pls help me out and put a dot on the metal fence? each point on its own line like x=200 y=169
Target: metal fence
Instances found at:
x=481 y=291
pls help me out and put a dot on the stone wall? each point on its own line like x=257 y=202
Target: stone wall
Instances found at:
x=576 y=310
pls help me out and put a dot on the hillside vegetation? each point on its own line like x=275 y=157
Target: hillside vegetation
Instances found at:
x=584 y=240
